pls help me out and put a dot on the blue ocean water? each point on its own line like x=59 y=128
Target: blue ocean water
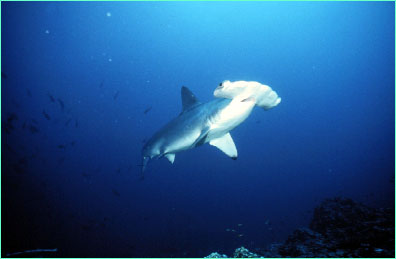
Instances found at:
x=85 y=84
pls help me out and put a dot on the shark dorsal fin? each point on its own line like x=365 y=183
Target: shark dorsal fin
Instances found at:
x=188 y=98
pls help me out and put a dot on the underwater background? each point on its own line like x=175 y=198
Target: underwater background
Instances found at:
x=85 y=84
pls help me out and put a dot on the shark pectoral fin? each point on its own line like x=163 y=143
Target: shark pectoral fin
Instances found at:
x=170 y=157
x=225 y=144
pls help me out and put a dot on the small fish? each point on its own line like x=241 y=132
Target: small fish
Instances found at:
x=116 y=95
x=116 y=193
x=76 y=124
x=18 y=169
x=68 y=121
x=240 y=235
x=61 y=146
x=23 y=161
x=7 y=127
x=15 y=103
x=101 y=85
x=267 y=222
x=73 y=143
x=33 y=129
x=61 y=104
x=52 y=99
x=61 y=160
x=28 y=92
x=240 y=225
x=9 y=148
x=46 y=115
x=3 y=75
x=147 y=110
x=86 y=176
x=87 y=227
x=34 y=121
x=118 y=170
x=233 y=230
x=12 y=117
x=228 y=230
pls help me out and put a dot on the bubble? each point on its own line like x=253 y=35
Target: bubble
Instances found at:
x=108 y=14
x=110 y=59
x=47 y=31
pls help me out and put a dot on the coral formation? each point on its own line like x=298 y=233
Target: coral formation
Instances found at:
x=244 y=253
x=216 y=255
x=340 y=227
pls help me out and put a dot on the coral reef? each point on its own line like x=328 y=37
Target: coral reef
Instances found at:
x=340 y=227
x=216 y=255
x=244 y=253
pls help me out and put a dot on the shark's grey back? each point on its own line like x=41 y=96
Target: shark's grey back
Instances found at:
x=191 y=126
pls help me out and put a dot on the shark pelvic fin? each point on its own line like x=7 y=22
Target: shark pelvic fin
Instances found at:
x=188 y=98
x=170 y=157
x=225 y=144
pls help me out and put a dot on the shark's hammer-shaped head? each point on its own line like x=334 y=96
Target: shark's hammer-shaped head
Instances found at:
x=265 y=97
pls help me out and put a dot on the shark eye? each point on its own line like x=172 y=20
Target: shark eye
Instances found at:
x=220 y=85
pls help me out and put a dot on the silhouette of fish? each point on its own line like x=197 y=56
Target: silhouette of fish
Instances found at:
x=116 y=193
x=68 y=121
x=52 y=99
x=23 y=161
x=76 y=124
x=86 y=175
x=147 y=110
x=3 y=75
x=62 y=105
x=61 y=146
x=9 y=148
x=18 y=168
x=116 y=95
x=61 y=160
x=46 y=115
x=28 y=92
x=7 y=126
x=12 y=117
x=33 y=129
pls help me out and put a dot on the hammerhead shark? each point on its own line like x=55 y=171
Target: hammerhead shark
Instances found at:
x=197 y=124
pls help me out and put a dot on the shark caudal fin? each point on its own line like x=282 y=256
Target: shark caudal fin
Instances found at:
x=145 y=160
